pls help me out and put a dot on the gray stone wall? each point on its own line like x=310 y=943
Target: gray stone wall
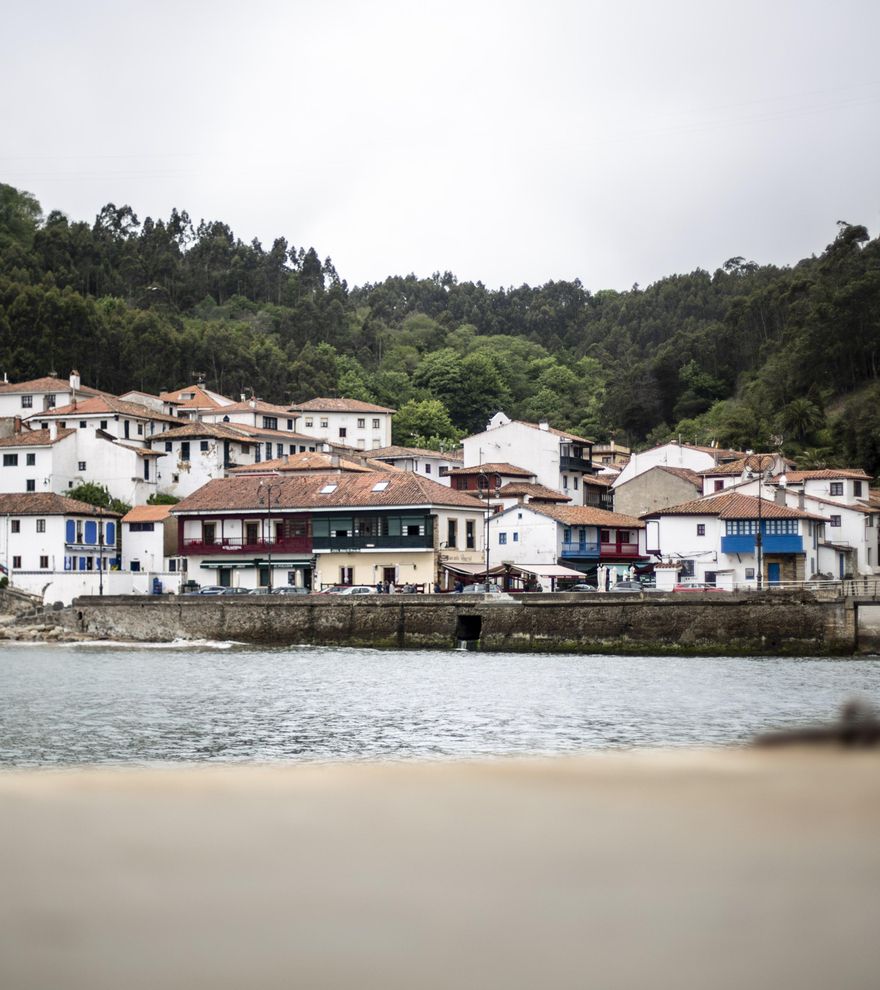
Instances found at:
x=748 y=624
x=654 y=489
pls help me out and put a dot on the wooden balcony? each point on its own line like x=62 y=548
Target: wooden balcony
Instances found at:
x=227 y=545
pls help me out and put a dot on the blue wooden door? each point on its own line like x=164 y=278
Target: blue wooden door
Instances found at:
x=773 y=573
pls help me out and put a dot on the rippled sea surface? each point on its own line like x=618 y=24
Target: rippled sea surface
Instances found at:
x=89 y=704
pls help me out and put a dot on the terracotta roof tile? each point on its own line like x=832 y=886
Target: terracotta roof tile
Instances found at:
x=304 y=461
x=104 y=404
x=534 y=491
x=303 y=491
x=493 y=468
x=826 y=474
x=148 y=513
x=586 y=515
x=337 y=405
x=48 y=504
x=34 y=438
x=397 y=451
x=46 y=384
x=732 y=505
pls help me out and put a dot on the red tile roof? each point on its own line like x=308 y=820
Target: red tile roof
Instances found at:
x=106 y=404
x=559 y=433
x=48 y=504
x=493 y=468
x=201 y=400
x=337 y=405
x=34 y=438
x=535 y=492
x=305 y=461
x=396 y=451
x=586 y=515
x=731 y=505
x=224 y=431
x=303 y=491
x=826 y=474
x=148 y=513
x=47 y=384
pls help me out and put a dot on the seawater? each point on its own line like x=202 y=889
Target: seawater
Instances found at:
x=185 y=702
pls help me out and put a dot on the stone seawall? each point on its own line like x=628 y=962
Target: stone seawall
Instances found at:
x=772 y=624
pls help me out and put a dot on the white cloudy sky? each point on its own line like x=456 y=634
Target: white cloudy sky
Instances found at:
x=511 y=142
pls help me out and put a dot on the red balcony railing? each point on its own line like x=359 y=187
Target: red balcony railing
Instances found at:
x=621 y=550
x=224 y=545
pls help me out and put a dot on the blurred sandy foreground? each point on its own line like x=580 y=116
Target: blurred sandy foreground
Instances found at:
x=734 y=868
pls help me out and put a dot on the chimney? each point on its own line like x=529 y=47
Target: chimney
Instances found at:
x=74 y=381
x=243 y=396
x=253 y=403
x=544 y=425
x=779 y=495
x=53 y=430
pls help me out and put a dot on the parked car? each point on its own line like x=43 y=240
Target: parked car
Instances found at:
x=289 y=589
x=236 y=591
x=581 y=587
x=630 y=586
x=353 y=589
x=481 y=589
x=209 y=589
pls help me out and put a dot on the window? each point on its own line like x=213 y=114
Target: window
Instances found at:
x=15 y=526
x=50 y=401
x=80 y=465
x=346 y=575
x=740 y=527
x=103 y=424
x=376 y=423
x=140 y=429
x=270 y=422
x=857 y=489
x=44 y=563
x=135 y=566
x=836 y=487
x=83 y=424
x=141 y=527
x=427 y=468
x=268 y=450
x=168 y=446
x=380 y=486
x=502 y=539
x=279 y=450
x=565 y=482
x=362 y=423
x=203 y=446
x=452 y=533
x=30 y=459
x=184 y=450
x=30 y=485
x=10 y=460
x=574 y=481
x=516 y=537
x=781 y=527
x=343 y=432
x=750 y=574
x=27 y=402
x=835 y=521
x=324 y=422
x=290 y=424
x=16 y=561
x=62 y=425
x=41 y=525
x=469 y=540
x=327 y=489
x=719 y=485
x=701 y=529
x=309 y=421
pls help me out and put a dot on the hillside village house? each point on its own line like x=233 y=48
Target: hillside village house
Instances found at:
x=713 y=539
x=678 y=455
x=40 y=394
x=434 y=464
x=253 y=413
x=555 y=458
x=317 y=530
x=578 y=538
x=191 y=401
x=656 y=488
x=56 y=547
x=149 y=548
x=361 y=425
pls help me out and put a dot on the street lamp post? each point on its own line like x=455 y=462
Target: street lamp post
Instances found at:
x=266 y=487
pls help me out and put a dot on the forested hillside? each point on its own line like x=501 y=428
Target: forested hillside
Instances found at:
x=749 y=355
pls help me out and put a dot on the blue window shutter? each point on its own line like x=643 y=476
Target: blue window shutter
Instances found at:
x=70 y=529
x=110 y=534
x=91 y=531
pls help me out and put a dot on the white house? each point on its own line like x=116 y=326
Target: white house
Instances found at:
x=40 y=394
x=357 y=424
x=194 y=454
x=313 y=530
x=433 y=464
x=149 y=548
x=55 y=546
x=191 y=401
x=677 y=455
x=253 y=413
x=713 y=538
x=579 y=537
x=128 y=422
x=555 y=458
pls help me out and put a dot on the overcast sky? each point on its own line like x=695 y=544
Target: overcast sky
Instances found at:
x=507 y=142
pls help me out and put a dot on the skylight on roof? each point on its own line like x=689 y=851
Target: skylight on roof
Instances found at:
x=328 y=489
x=380 y=486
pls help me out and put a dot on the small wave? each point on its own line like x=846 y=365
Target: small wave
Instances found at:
x=173 y=644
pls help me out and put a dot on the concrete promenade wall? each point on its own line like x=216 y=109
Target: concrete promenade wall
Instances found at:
x=713 y=624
